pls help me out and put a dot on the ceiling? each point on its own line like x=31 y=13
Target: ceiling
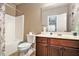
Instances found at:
x=30 y=4
x=16 y=3
x=40 y=4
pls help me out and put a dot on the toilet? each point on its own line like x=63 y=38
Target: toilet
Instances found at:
x=25 y=46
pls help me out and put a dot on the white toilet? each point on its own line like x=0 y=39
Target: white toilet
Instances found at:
x=25 y=46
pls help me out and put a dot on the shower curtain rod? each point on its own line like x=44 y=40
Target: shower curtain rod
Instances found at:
x=15 y=9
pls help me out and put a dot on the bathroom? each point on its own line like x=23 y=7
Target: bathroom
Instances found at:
x=35 y=19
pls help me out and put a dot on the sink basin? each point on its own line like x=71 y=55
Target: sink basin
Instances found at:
x=67 y=36
x=46 y=33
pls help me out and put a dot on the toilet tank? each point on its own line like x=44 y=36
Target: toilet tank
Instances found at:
x=31 y=38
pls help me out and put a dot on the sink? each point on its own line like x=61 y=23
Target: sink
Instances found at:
x=45 y=33
x=67 y=36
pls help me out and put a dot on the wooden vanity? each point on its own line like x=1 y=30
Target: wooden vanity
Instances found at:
x=47 y=46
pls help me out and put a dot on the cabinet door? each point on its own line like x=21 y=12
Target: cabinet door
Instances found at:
x=54 y=51
x=41 y=49
x=70 y=51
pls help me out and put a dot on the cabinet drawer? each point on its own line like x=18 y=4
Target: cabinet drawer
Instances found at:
x=64 y=42
x=41 y=39
x=54 y=42
x=70 y=43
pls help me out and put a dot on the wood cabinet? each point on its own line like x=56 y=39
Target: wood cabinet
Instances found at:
x=67 y=51
x=56 y=47
x=41 y=49
x=41 y=46
x=41 y=40
x=54 y=51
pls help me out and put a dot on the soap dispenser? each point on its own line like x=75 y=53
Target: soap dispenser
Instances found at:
x=44 y=29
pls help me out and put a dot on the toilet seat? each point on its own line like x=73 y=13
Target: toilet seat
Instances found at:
x=24 y=46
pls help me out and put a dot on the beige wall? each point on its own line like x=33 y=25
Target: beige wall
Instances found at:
x=32 y=18
x=32 y=15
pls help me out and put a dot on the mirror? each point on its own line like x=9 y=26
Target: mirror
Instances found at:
x=52 y=23
x=60 y=17
x=55 y=23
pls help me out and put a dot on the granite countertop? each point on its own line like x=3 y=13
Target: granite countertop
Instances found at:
x=64 y=35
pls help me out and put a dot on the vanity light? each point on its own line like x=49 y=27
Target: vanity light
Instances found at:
x=49 y=5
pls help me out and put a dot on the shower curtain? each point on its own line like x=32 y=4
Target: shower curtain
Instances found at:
x=2 y=31
x=11 y=31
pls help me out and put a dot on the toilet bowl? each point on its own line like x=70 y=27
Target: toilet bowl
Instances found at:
x=25 y=46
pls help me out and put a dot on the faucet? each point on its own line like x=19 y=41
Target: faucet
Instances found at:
x=51 y=33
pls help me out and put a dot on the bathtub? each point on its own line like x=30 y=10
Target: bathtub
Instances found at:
x=11 y=47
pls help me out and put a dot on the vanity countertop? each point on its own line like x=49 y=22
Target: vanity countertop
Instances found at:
x=64 y=35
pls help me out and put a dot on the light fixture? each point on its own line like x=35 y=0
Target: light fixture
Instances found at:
x=48 y=4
